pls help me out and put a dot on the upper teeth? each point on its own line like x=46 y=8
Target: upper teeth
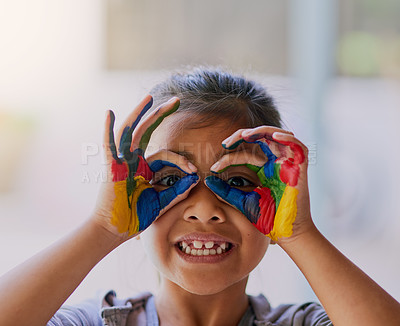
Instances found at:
x=202 y=248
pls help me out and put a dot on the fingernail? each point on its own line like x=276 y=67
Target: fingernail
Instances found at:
x=277 y=134
x=215 y=167
x=192 y=167
x=172 y=100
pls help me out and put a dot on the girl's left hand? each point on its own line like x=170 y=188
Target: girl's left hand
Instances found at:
x=280 y=207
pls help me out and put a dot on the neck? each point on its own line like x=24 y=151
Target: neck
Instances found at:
x=176 y=306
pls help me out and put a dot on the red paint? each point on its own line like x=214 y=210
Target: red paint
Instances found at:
x=267 y=210
x=119 y=171
x=143 y=169
x=289 y=173
x=297 y=151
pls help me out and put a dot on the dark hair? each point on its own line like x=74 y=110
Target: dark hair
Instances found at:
x=212 y=94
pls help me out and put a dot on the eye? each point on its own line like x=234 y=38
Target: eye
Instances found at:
x=168 y=181
x=239 y=182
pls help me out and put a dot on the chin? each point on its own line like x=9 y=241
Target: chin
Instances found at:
x=209 y=285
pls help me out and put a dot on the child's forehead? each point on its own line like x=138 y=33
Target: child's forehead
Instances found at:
x=178 y=134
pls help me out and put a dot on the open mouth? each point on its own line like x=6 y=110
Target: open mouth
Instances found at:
x=204 y=248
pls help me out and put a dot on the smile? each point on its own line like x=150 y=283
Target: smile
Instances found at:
x=204 y=248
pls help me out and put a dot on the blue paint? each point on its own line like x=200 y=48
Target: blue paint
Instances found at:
x=269 y=167
x=245 y=202
x=126 y=136
x=147 y=208
x=151 y=202
x=252 y=206
x=183 y=184
x=111 y=139
x=157 y=165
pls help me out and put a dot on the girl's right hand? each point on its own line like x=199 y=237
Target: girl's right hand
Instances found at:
x=129 y=204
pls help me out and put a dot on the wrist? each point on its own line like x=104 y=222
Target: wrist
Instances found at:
x=299 y=238
x=104 y=239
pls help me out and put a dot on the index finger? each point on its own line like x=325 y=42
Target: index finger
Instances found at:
x=125 y=132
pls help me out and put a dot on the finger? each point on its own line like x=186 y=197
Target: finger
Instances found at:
x=108 y=141
x=262 y=132
x=151 y=204
x=142 y=133
x=165 y=157
x=246 y=202
x=251 y=134
x=232 y=196
x=253 y=160
x=299 y=150
x=178 y=191
x=258 y=205
x=125 y=133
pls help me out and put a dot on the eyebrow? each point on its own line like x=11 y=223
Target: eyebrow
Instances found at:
x=190 y=157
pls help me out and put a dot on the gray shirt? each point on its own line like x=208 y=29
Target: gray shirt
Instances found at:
x=141 y=311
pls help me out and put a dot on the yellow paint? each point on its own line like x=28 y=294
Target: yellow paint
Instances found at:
x=124 y=218
x=286 y=214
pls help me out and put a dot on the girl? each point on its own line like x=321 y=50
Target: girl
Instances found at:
x=208 y=179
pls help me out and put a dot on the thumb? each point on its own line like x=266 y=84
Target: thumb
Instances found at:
x=178 y=191
x=246 y=202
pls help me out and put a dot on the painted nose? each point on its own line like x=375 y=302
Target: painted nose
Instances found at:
x=204 y=206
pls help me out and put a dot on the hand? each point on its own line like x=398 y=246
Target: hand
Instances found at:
x=280 y=205
x=129 y=204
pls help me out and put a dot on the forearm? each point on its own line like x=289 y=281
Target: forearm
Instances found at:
x=33 y=291
x=348 y=295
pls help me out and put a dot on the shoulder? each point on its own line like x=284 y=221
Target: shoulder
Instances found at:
x=139 y=308
x=310 y=313
x=105 y=310
x=86 y=313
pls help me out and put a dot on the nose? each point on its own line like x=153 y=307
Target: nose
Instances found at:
x=203 y=206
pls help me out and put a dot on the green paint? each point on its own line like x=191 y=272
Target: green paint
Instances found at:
x=144 y=141
x=275 y=184
x=130 y=187
x=252 y=167
x=234 y=145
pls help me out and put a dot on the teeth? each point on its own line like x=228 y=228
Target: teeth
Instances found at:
x=196 y=248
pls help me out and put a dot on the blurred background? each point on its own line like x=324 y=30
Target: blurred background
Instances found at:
x=333 y=67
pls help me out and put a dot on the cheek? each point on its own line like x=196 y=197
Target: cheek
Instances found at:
x=154 y=241
x=254 y=243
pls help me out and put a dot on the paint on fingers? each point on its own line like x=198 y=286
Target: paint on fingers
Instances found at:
x=147 y=134
x=124 y=214
x=285 y=215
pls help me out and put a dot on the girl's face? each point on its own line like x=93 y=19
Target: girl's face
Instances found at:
x=202 y=244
